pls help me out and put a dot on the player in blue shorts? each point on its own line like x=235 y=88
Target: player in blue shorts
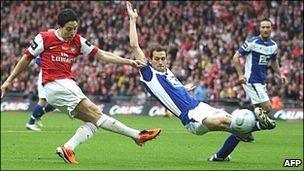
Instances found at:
x=197 y=117
x=259 y=51
x=41 y=107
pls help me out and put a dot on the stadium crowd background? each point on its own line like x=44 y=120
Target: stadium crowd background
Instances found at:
x=201 y=38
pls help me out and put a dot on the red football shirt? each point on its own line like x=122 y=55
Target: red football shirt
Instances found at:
x=57 y=55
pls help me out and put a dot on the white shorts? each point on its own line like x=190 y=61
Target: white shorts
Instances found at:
x=200 y=113
x=41 y=91
x=257 y=92
x=64 y=95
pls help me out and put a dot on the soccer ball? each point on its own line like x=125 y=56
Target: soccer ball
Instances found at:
x=243 y=120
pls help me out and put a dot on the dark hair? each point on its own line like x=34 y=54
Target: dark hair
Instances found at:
x=157 y=48
x=65 y=16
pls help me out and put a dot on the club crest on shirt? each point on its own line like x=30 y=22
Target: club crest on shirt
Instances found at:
x=64 y=47
x=73 y=49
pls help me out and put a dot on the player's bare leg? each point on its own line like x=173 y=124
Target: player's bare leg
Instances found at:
x=218 y=123
x=221 y=122
x=88 y=112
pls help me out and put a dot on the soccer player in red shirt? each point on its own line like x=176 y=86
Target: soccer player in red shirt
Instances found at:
x=58 y=50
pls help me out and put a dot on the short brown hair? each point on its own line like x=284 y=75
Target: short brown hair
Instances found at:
x=157 y=48
x=265 y=19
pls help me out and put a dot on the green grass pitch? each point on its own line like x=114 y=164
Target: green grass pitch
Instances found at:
x=174 y=149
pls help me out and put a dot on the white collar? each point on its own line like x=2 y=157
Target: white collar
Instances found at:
x=159 y=72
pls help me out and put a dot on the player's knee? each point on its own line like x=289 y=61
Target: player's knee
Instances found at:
x=266 y=106
x=42 y=101
x=196 y=128
x=224 y=123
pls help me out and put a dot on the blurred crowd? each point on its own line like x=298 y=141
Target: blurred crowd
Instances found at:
x=200 y=37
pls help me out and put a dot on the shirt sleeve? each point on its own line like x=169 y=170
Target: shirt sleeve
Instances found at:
x=245 y=48
x=146 y=73
x=274 y=55
x=86 y=48
x=36 y=47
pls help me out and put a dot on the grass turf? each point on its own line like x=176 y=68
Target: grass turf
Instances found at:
x=174 y=149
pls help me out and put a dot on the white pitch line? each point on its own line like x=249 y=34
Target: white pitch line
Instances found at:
x=54 y=131
x=28 y=131
x=34 y=160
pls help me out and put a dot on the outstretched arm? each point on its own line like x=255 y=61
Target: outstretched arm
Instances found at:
x=21 y=66
x=111 y=57
x=138 y=53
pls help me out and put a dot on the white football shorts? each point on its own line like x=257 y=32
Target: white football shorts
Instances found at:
x=200 y=113
x=257 y=92
x=41 y=91
x=64 y=94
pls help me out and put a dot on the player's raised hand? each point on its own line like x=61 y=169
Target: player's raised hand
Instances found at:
x=190 y=86
x=137 y=64
x=242 y=79
x=4 y=87
x=283 y=78
x=132 y=14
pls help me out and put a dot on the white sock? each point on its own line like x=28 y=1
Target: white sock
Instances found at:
x=114 y=125
x=82 y=134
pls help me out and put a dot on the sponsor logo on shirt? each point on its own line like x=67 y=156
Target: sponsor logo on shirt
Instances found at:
x=62 y=58
x=263 y=59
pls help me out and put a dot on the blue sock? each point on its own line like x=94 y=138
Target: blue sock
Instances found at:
x=32 y=120
x=47 y=108
x=36 y=114
x=228 y=146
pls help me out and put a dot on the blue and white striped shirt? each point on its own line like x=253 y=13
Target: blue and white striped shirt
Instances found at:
x=169 y=91
x=258 y=54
